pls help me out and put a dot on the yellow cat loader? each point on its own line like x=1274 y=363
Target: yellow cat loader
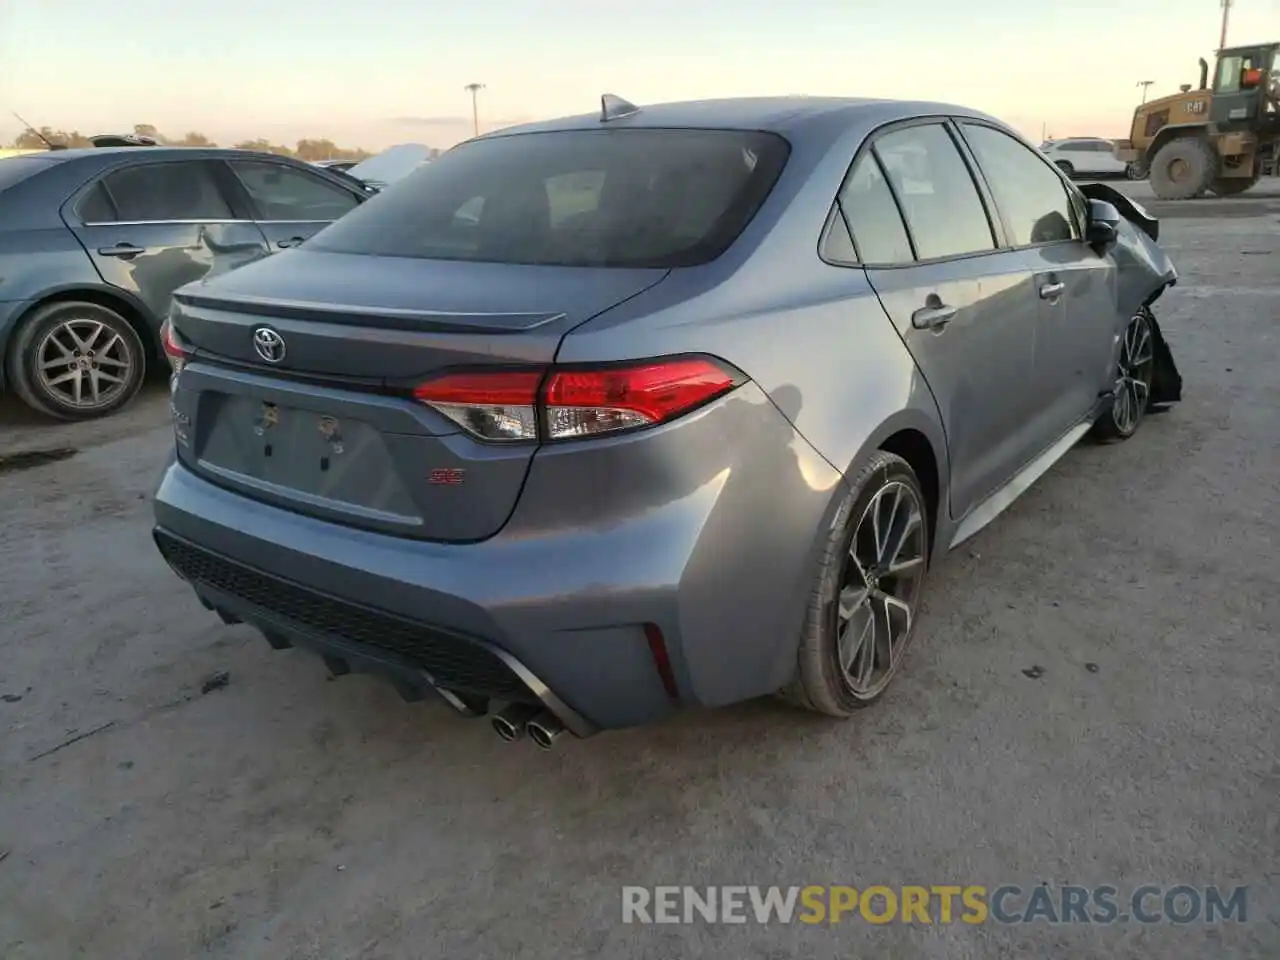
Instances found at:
x=1218 y=139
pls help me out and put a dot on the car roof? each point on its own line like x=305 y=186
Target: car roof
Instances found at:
x=156 y=152
x=783 y=115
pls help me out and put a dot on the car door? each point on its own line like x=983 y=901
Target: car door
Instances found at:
x=152 y=225
x=1043 y=217
x=964 y=307
x=290 y=204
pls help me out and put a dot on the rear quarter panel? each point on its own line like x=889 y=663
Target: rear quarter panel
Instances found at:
x=34 y=264
x=39 y=256
x=813 y=336
x=815 y=340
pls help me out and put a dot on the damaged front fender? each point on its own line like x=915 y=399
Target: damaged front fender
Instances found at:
x=1143 y=273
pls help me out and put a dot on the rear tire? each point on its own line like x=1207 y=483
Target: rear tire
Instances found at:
x=1067 y=169
x=1183 y=168
x=1135 y=171
x=1135 y=368
x=863 y=610
x=74 y=360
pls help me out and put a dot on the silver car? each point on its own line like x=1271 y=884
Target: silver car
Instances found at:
x=595 y=419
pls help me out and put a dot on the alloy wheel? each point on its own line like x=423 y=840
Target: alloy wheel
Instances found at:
x=83 y=363
x=880 y=589
x=1133 y=382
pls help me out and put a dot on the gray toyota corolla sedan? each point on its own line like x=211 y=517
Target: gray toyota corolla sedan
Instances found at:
x=594 y=419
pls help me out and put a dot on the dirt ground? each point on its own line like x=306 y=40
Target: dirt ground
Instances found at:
x=1093 y=698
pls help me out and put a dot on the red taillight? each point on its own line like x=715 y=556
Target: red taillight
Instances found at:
x=576 y=401
x=173 y=348
x=584 y=402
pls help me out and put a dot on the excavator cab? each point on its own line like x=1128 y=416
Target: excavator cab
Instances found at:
x=1246 y=86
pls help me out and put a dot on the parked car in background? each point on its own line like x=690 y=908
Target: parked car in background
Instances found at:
x=337 y=166
x=1084 y=157
x=393 y=164
x=94 y=241
x=592 y=420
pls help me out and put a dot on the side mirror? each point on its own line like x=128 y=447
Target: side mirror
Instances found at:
x=1103 y=228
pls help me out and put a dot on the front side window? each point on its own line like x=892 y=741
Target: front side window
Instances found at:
x=183 y=190
x=282 y=193
x=1031 y=195
x=868 y=207
x=943 y=209
x=624 y=198
x=1231 y=71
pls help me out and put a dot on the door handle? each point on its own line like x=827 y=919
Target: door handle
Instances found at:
x=1049 y=291
x=291 y=242
x=933 y=317
x=121 y=250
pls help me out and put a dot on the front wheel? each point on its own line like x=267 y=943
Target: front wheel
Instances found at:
x=862 y=613
x=1184 y=168
x=76 y=361
x=1135 y=171
x=1132 y=391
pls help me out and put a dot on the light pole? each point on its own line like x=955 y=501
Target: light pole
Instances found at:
x=473 y=89
x=1226 y=16
x=1144 y=84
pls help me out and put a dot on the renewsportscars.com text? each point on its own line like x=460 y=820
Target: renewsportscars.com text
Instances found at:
x=935 y=904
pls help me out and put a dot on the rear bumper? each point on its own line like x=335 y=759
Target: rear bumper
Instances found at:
x=715 y=550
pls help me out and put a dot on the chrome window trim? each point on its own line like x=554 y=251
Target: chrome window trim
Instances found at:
x=143 y=223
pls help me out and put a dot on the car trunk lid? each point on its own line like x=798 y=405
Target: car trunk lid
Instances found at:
x=319 y=416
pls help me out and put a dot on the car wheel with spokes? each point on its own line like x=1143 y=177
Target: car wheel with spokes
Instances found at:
x=1135 y=365
x=862 y=614
x=76 y=361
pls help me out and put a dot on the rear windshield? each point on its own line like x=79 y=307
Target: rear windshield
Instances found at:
x=618 y=198
x=14 y=169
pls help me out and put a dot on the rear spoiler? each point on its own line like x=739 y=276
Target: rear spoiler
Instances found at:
x=122 y=140
x=1128 y=208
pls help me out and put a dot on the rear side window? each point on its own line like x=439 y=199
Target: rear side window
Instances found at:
x=95 y=206
x=939 y=200
x=1030 y=194
x=618 y=198
x=184 y=190
x=282 y=193
x=872 y=215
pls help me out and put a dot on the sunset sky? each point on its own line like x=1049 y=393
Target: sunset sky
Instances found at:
x=391 y=71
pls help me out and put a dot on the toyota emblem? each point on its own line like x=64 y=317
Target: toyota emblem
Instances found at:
x=268 y=344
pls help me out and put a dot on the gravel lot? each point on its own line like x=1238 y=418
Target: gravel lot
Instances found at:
x=288 y=816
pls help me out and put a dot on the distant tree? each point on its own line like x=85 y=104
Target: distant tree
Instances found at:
x=308 y=148
x=31 y=140
x=316 y=149
x=262 y=145
x=148 y=130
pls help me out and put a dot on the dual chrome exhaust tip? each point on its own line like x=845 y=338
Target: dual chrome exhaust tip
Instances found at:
x=519 y=719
